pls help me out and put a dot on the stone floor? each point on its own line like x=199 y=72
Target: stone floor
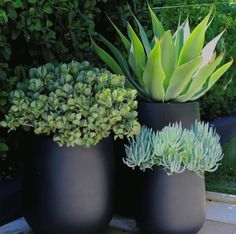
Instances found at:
x=221 y=219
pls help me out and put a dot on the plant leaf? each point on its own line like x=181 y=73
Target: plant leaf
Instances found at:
x=179 y=40
x=192 y=48
x=142 y=33
x=186 y=30
x=212 y=80
x=123 y=38
x=118 y=55
x=137 y=56
x=181 y=78
x=167 y=56
x=112 y=64
x=107 y=59
x=200 y=79
x=158 y=28
x=154 y=75
x=208 y=50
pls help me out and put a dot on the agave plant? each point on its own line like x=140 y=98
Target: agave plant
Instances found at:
x=169 y=67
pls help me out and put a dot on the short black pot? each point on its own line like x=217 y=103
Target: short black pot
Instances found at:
x=68 y=190
x=172 y=204
x=155 y=116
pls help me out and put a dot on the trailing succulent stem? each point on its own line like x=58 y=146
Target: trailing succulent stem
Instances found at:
x=75 y=103
x=176 y=149
x=166 y=67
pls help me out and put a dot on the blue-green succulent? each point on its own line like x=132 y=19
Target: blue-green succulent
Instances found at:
x=176 y=149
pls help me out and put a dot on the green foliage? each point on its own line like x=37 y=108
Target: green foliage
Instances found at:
x=74 y=103
x=176 y=149
x=167 y=67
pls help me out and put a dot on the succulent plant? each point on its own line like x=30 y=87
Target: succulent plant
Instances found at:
x=75 y=103
x=166 y=67
x=175 y=149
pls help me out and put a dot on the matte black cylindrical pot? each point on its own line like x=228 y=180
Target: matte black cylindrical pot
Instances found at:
x=156 y=116
x=68 y=190
x=172 y=204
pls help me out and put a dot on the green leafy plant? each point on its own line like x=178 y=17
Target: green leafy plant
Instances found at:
x=176 y=149
x=168 y=67
x=74 y=103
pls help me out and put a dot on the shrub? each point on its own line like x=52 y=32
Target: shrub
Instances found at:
x=176 y=149
x=75 y=103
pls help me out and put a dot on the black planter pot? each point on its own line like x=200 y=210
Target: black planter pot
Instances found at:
x=68 y=190
x=156 y=116
x=10 y=200
x=172 y=204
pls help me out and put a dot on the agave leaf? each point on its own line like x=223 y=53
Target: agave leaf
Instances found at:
x=179 y=39
x=192 y=48
x=123 y=38
x=114 y=66
x=167 y=56
x=154 y=75
x=118 y=55
x=186 y=30
x=142 y=33
x=199 y=81
x=158 y=29
x=208 y=50
x=137 y=55
x=213 y=79
x=181 y=78
x=218 y=73
x=107 y=59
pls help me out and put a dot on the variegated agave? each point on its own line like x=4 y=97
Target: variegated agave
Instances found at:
x=176 y=149
x=169 y=67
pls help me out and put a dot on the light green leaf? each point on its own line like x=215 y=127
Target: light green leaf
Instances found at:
x=192 y=48
x=158 y=28
x=167 y=56
x=123 y=38
x=179 y=39
x=143 y=35
x=154 y=75
x=218 y=73
x=212 y=80
x=181 y=78
x=137 y=56
x=200 y=79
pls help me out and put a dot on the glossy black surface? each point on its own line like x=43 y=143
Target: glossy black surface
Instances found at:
x=68 y=190
x=172 y=204
x=156 y=116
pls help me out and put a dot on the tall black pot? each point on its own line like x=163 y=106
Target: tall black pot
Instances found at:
x=155 y=116
x=172 y=204
x=67 y=190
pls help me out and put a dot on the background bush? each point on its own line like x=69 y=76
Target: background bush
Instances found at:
x=34 y=32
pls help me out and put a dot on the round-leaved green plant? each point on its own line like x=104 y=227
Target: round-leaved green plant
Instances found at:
x=74 y=103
